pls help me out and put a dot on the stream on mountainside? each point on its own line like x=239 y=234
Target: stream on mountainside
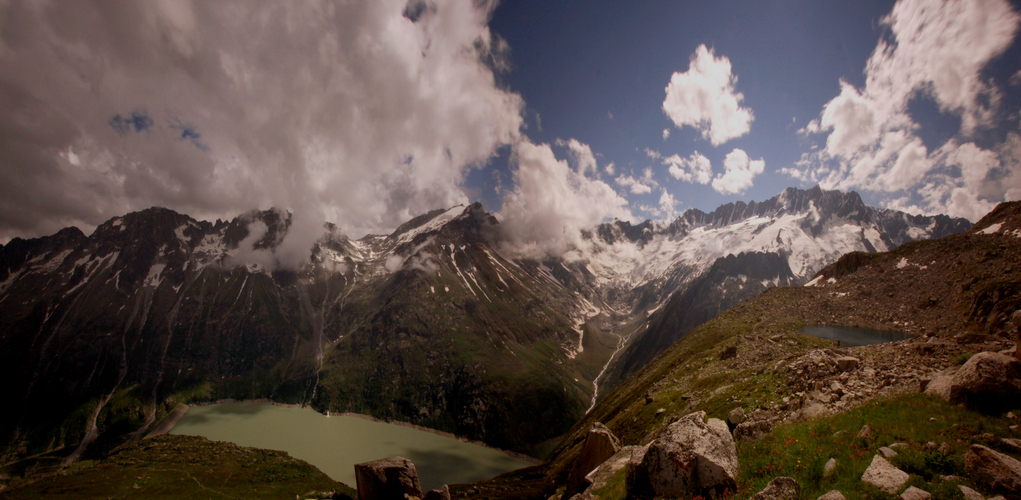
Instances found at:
x=334 y=444
x=852 y=336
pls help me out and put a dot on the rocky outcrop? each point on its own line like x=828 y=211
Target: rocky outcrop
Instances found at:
x=600 y=444
x=884 y=475
x=989 y=381
x=386 y=479
x=691 y=456
x=602 y=474
x=993 y=469
x=780 y=488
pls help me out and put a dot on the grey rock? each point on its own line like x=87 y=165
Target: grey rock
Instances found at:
x=913 y=493
x=750 y=432
x=1013 y=444
x=438 y=494
x=989 y=381
x=389 y=478
x=829 y=468
x=602 y=474
x=970 y=494
x=993 y=469
x=736 y=416
x=780 y=488
x=865 y=432
x=600 y=444
x=887 y=452
x=847 y=363
x=728 y=352
x=884 y=475
x=832 y=495
x=899 y=446
x=814 y=411
x=940 y=385
x=691 y=456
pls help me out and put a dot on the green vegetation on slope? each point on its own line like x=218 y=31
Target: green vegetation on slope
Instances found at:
x=185 y=467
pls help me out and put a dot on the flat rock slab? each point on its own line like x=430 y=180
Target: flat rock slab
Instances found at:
x=993 y=469
x=780 y=488
x=832 y=495
x=914 y=493
x=884 y=475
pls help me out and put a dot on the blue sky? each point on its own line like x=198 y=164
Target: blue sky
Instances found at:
x=557 y=115
x=596 y=72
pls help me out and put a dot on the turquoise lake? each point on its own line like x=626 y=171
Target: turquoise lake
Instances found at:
x=334 y=444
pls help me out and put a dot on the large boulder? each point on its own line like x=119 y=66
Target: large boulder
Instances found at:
x=993 y=469
x=884 y=475
x=386 y=479
x=600 y=444
x=989 y=381
x=749 y=432
x=691 y=456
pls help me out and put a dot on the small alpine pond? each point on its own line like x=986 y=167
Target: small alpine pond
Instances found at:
x=850 y=336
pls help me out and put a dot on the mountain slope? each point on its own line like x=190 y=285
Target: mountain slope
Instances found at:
x=953 y=293
x=101 y=334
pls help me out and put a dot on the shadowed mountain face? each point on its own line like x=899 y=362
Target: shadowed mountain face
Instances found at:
x=100 y=335
x=427 y=324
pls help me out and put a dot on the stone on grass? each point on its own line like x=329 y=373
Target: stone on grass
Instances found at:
x=750 y=432
x=887 y=452
x=831 y=465
x=600 y=444
x=780 y=488
x=970 y=494
x=865 y=432
x=728 y=352
x=832 y=495
x=884 y=475
x=993 y=469
x=898 y=446
x=989 y=382
x=1013 y=444
x=914 y=493
x=388 y=478
x=692 y=456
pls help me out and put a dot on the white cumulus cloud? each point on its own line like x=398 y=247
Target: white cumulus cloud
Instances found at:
x=704 y=98
x=739 y=173
x=346 y=111
x=695 y=168
x=935 y=50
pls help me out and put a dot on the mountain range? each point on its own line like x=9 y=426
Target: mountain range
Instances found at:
x=437 y=323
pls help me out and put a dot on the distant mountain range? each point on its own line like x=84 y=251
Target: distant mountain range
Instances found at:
x=101 y=335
